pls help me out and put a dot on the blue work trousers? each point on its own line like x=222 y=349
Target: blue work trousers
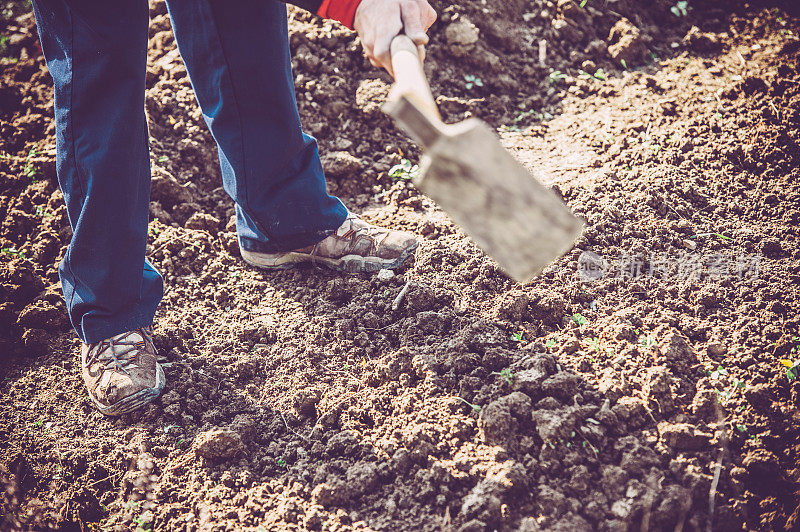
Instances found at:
x=237 y=55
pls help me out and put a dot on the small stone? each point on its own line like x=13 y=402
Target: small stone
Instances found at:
x=706 y=406
x=716 y=349
x=657 y=389
x=332 y=493
x=513 y=306
x=552 y=425
x=461 y=36
x=216 y=444
x=341 y=164
x=384 y=275
x=629 y=409
x=305 y=401
x=625 y=42
x=683 y=436
x=202 y=222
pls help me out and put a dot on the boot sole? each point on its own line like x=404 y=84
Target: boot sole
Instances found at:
x=136 y=401
x=348 y=263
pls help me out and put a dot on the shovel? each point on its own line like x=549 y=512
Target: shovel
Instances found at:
x=501 y=206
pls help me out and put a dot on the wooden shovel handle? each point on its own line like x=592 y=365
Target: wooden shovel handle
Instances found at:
x=409 y=77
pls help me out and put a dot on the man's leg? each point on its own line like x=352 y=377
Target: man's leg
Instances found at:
x=96 y=53
x=237 y=56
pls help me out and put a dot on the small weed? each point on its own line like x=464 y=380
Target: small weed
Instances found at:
x=29 y=170
x=521 y=116
x=141 y=525
x=680 y=9
x=583 y=3
x=721 y=374
x=580 y=319
x=624 y=64
x=154 y=230
x=647 y=341
x=718 y=235
x=792 y=368
x=281 y=462
x=718 y=373
x=405 y=170
x=506 y=374
x=594 y=344
x=163 y=159
x=476 y=408
x=4 y=44
x=550 y=343
x=518 y=337
x=472 y=81
x=14 y=252
x=598 y=75
x=41 y=213
x=555 y=77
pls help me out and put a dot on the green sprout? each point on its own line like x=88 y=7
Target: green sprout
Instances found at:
x=792 y=368
x=680 y=9
x=594 y=344
x=163 y=159
x=518 y=337
x=405 y=170
x=472 y=81
x=647 y=341
x=14 y=252
x=718 y=373
x=281 y=462
x=476 y=408
x=583 y=3
x=29 y=170
x=718 y=235
x=580 y=319
x=624 y=64
x=555 y=77
x=550 y=343
x=506 y=374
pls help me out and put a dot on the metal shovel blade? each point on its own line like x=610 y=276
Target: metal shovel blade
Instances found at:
x=517 y=221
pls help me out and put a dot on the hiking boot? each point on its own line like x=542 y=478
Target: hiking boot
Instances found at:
x=355 y=246
x=121 y=373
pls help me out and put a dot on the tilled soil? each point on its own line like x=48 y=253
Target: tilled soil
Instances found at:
x=637 y=383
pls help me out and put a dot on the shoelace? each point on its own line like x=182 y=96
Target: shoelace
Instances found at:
x=104 y=351
x=375 y=234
